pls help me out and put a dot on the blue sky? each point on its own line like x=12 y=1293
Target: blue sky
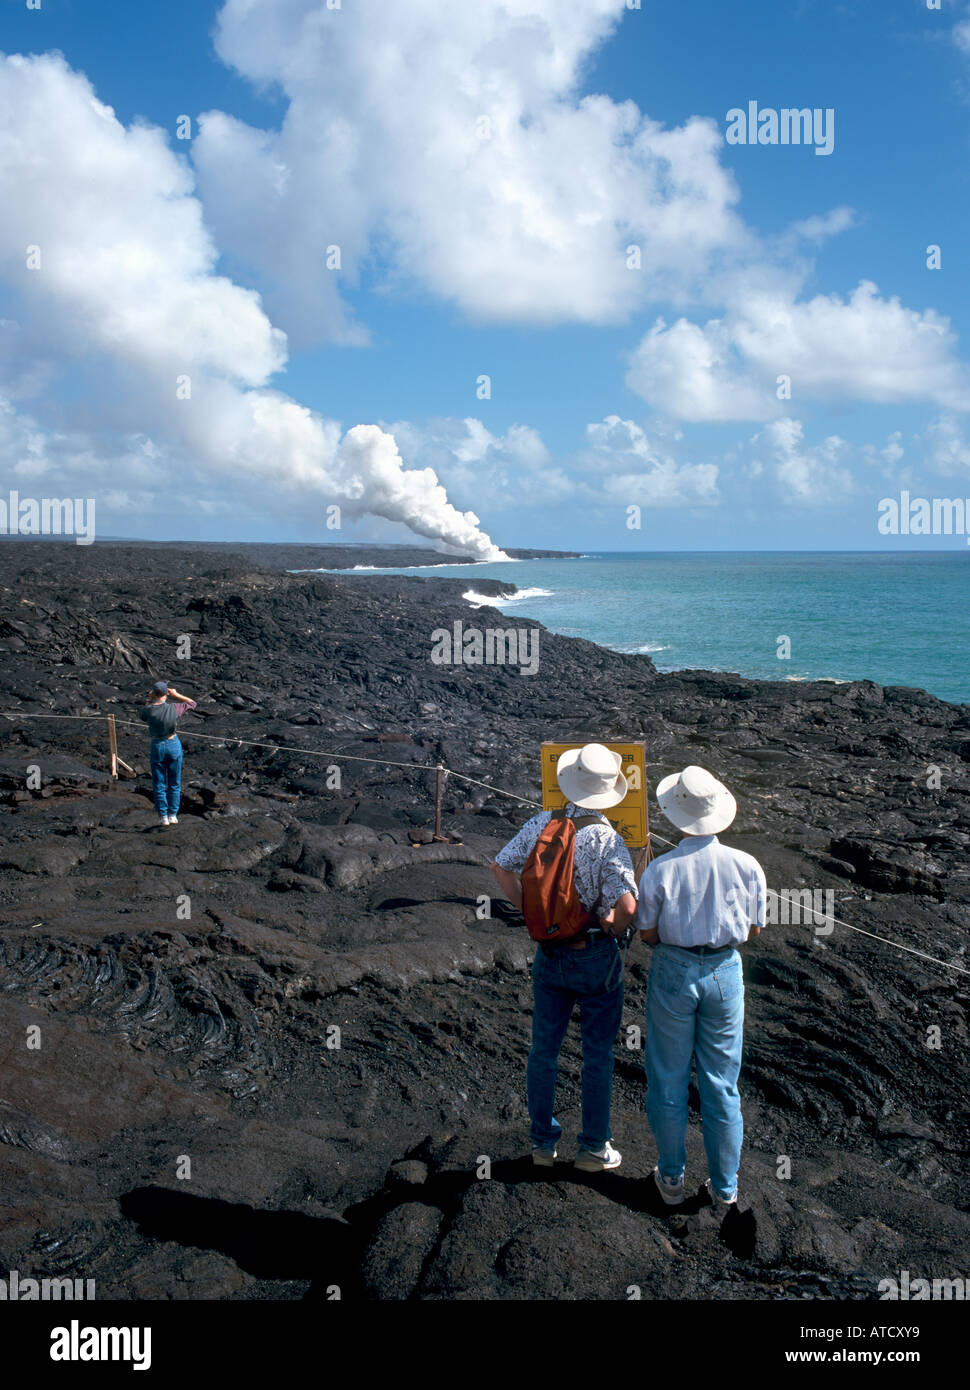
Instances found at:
x=502 y=254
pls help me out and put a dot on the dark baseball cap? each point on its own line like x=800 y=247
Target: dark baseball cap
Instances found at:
x=160 y=687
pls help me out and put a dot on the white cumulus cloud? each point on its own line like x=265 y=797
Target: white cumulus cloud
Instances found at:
x=863 y=348
x=825 y=225
x=946 y=448
x=448 y=147
x=806 y=475
x=111 y=271
x=961 y=33
x=637 y=472
x=510 y=472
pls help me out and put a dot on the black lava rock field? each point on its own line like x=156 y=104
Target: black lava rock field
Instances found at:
x=280 y=1047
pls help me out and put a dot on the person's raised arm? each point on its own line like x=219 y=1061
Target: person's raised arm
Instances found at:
x=182 y=699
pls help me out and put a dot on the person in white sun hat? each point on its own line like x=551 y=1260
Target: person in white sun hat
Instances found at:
x=697 y=904
x=587 y=970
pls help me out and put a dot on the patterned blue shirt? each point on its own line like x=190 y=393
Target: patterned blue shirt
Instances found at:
x=602 y=868
x=702 y=894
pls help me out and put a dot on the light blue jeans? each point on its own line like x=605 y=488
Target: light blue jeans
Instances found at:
x=695 y=1008
x=166 y=765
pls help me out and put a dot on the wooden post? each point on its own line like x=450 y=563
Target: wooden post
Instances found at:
x=113 y=745
x=116 y=762
x=646 y=853
x=439 y=787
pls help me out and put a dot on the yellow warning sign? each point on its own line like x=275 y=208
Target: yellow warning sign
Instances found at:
x=629 y=818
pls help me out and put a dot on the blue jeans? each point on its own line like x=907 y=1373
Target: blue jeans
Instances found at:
x=166 y=764
x=594 y=978
x=695 y=1007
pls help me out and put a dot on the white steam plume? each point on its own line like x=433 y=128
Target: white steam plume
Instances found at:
x=107 y=259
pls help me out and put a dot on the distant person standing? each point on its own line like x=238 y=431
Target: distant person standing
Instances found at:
x=164 y=709
x=696 y=905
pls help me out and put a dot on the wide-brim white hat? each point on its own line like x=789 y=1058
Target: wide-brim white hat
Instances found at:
x=696 y=802
x=591 y=777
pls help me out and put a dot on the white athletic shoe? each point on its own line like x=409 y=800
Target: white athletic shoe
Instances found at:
x=723 y=1204
x=672 y=1192
x=163 y=820
x=588 y=1162
x=173 y=820
x=544 y=1158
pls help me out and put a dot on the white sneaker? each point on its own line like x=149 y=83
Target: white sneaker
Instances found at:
x=722 y=1203
x=588 y=1162
x=163 y=820
x=672 y=1192
x=173 y=820
x=544 y=1158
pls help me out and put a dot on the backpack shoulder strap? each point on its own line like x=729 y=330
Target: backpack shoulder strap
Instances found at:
x=580 y=821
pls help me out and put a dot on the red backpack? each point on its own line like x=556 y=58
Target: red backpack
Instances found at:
x=550 y=903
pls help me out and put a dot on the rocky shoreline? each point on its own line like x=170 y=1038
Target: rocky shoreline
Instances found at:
x=189 y=1127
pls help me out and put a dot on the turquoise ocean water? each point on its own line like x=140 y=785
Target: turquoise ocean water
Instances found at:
x=897 y=619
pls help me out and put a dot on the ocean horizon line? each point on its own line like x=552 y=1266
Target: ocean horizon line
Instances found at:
x=565 y=553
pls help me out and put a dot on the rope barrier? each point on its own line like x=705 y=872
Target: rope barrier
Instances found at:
x=231 y=738
x=462 y=777
x=7 y=714
x=899 y=947
x=475 y=781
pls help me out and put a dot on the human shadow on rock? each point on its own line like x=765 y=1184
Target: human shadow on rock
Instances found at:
x=284 y=1245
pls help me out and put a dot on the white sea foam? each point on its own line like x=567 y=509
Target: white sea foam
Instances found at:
x=832 y=680
x=477 y=600
x=386 y=569
x=527 y=593
x=393 y=569
x=634 y=649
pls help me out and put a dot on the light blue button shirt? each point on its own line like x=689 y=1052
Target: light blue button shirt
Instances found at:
x=702 y=894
